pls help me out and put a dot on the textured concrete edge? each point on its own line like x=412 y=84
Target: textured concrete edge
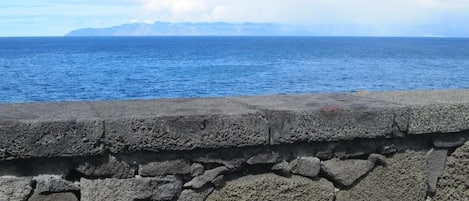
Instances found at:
x=88 y=128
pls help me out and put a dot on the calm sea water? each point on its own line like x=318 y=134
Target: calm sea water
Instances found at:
x=62 y=68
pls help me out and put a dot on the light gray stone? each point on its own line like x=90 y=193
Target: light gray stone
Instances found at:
x=208 y=176
x=282 y=169
x=436 y=159
x=403 y=179
x=104 y=166
x=178 y=166
x=195 y=194
x=306 y=166
x=53 y=184
x=15 y=188
x=454 y=184
x=66 y=196
x=197 y=169
x=378 y=159
x=273 y=187
x=346 y=172
x=155 y=188
x=264 y=158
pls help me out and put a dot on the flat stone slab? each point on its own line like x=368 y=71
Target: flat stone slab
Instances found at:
x=49 y=130
x=180 y=124
x=432 y=111
x=195 y=195
x=436 y=159
x=206 y=177
x=306 y=166
x=15 y=188
x=67 y=196
x=327 y=117
x=346 y=172
x=53 y=184
x=103 y=166
x=66 y=129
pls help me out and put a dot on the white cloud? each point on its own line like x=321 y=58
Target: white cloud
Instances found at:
x=300 y=11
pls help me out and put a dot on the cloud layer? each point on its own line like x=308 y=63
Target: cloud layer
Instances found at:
x=50 y=17
x=396 y=12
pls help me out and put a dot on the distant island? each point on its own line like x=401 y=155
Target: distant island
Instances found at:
x=195 y=29
x=264 y=29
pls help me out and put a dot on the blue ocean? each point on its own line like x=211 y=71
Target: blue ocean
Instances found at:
x=107 y=68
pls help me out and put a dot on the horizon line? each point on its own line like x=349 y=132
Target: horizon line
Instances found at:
x=201 y=35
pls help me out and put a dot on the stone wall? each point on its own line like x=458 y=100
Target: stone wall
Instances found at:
x=410 y=145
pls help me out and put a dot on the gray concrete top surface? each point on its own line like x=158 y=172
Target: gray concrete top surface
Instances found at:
x=87 y=128
x=414 y=98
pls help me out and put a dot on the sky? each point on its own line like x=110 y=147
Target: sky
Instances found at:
x=56 y=18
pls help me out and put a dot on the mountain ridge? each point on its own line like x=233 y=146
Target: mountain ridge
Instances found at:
x=265 y=29
x=193 y=29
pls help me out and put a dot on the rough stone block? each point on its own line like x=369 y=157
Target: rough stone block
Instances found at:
x=436 y=159
x=180 y=124
x=53 y=184
x=49 y=130
x=273 y=187
x=104 y=166
x=195 y=194
x=454 y=183
x=439 y=118
x=306 y=166
x=346 y=172
x=378 y=159
x=15 y=188
x=179 y=166
x=185 y=132
x=155 y=188
x=67 y=196
x=231 y=158
x=430 y=111
x=402 y=179
x=197 y=169
x=264 y=158
x=207 y=176
x=328 y=117
x=218 y=181
x=283 y=169
x=60 y=138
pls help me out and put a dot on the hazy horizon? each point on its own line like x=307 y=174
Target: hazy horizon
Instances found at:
x=342 y=17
